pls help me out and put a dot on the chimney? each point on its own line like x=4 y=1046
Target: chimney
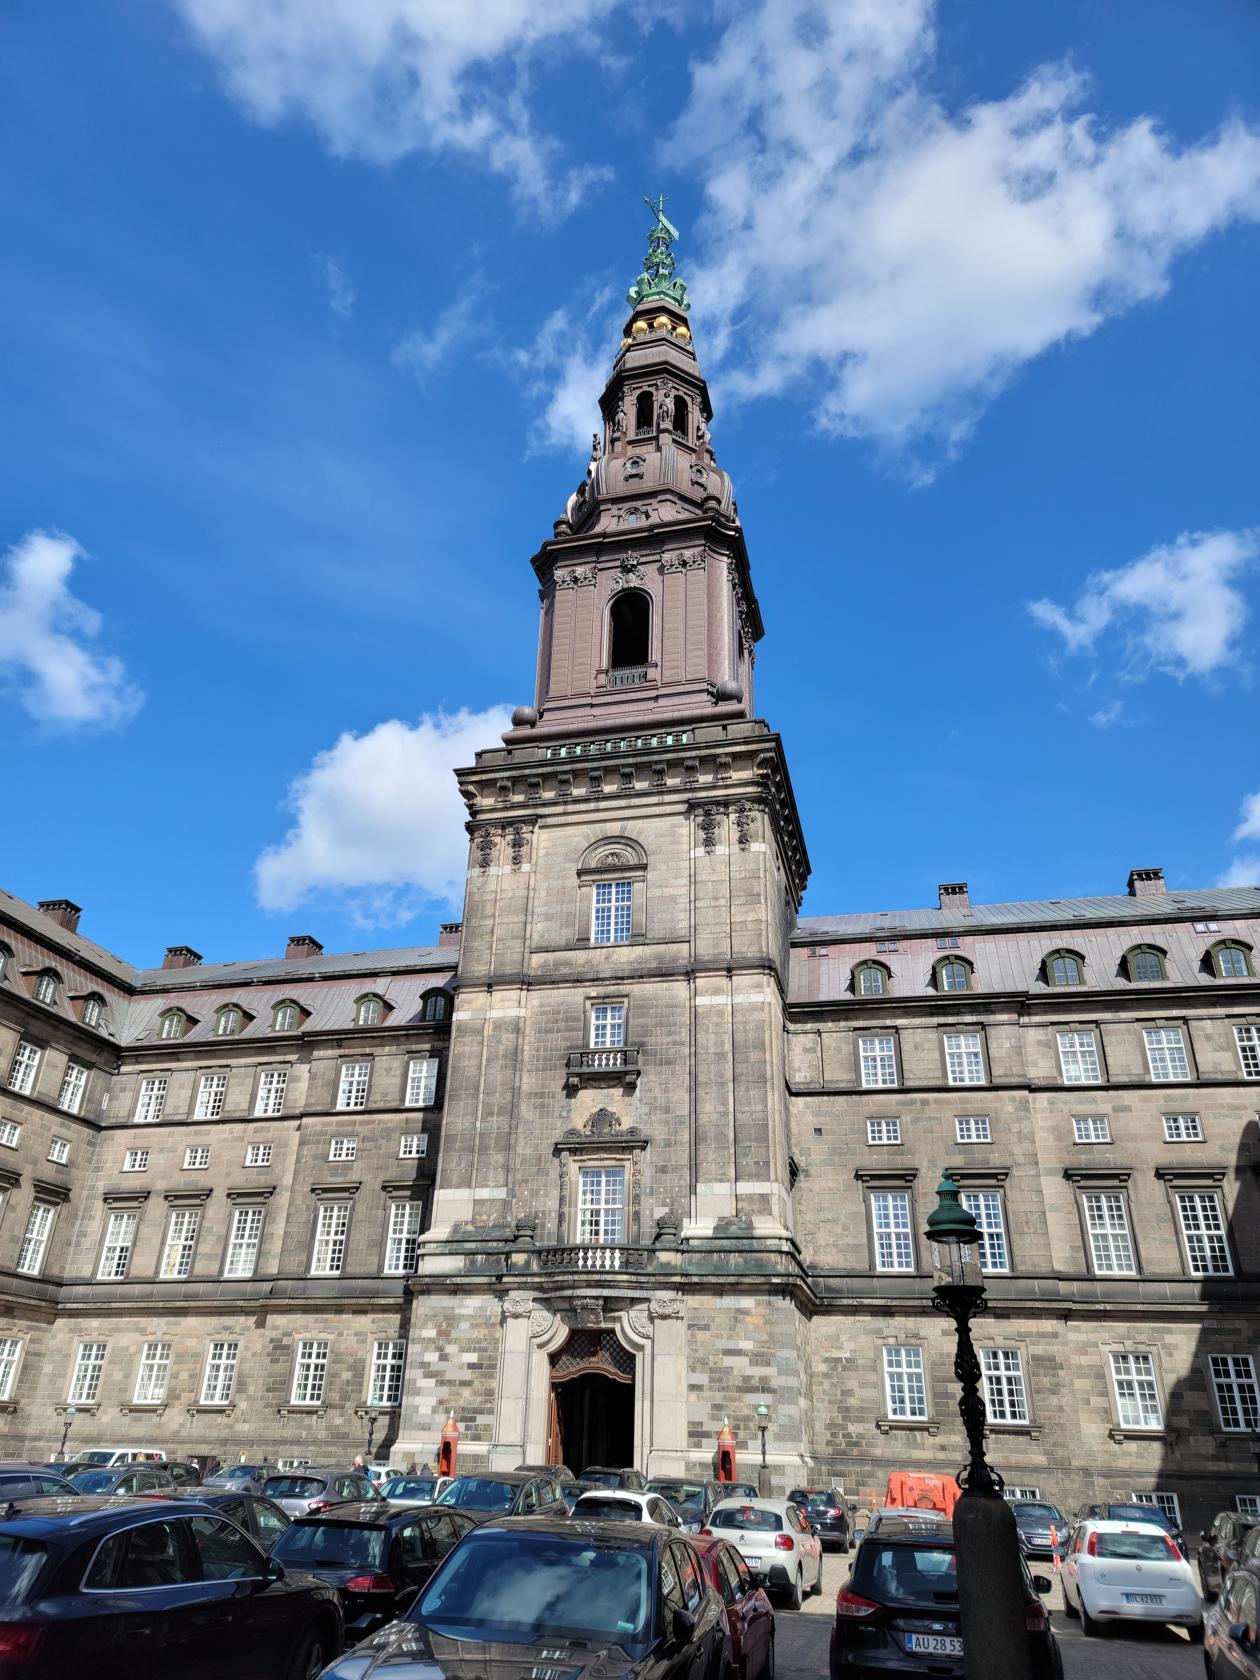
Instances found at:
x=181 y=956
x=1146 y=883
x=449 y=933
x=61 y=911
x=953 y=895
x=302 y=945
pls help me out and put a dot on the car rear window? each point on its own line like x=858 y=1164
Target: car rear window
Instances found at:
x=20 y=1562
x=683 y=1496
x=746 y=1517
x=819 y=1501
x=479 y=1493
x=408 y=1487
x=1140 y=1547
x=294 y=1487
x=906 y=1574
x=603 y=1478
x=1138 y=1513
x=595 y=1508
x=94 y=1481
x=318 y=1545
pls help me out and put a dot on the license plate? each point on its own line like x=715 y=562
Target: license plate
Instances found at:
x=1143 y=1598
x=934 y=1644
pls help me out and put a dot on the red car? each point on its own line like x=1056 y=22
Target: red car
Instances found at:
x=749 y=1614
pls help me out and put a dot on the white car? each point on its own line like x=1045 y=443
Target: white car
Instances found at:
x=621 y=1505
x=401 y=1489
x=108 y=1458
x=1129 y=1571
x=776 y=1542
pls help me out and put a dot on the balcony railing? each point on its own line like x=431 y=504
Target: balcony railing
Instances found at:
x=595 y=1067
x=594 y=1257
x=628 y=676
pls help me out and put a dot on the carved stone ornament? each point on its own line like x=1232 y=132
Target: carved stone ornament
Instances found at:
x=517 y=1305
x=615 y=858
x=666 y=1306
x=741 y=607
x=469 y=796
x=639 y=1322
x=516 y=843
x=683 y=563
x=708 y=824
x=743 y=825
x=590 y=1315
x=629 y=574
x=602 y=1123
x=485 y=849
x=576 y=577
x=541 y=1322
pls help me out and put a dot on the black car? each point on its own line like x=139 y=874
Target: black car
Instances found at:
x=1220 y=1548
x=1043 y=1528
x=124 y=1478
x=693 y=1500
x=184 y=1475
x=261 y=1518
x=130 y=1589
x=1231 y=1629
x=1133 y=1512
x=571 y=1492
x=632 y=1480
x=503 y=1493
x=827 y=1512
x=898 y=1611
x=576 y=1598
x=377 y=1556
x=19 y=1480
x=557 y=1472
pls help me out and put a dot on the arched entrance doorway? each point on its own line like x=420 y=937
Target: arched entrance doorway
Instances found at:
x=591 y=1417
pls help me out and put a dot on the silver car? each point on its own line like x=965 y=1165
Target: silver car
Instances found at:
x=317 y=1488
x=413 y=1490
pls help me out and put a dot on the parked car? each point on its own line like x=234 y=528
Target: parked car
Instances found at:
x=617 y=1505
x=903 y=1513
x=749 y=1613
x=1135 y=1512
x=779 y=1547
x=1249 y=1552
x=413 y=1490
x=1220 y=1547
x=298 y=1492
x=504 y=1493
x=693 y=1501
x=827 y=1512
x=1129 y=1571
x=376 y=1555
x=601 y=1474
x=129 y=1590
x=29 y=1481
x=739 y=1490
x=557 y=1472
x=571 y=1492
x=183 y=1474
x=602 y=1598
x=107 y=1457
x=261 y=1518
x=1231 y=1637
x=240 y=1475
x=1035 y=1520
x=125 y=1478
x=898 y=1611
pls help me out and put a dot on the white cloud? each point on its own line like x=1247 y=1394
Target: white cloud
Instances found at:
x=1249 y=826
x=45 y=637
x=565 y=369
x=1177 y=609
x=379 y=823
x=424 y=351
x=340 y=286
x=1108 y=716
x=1242 y=872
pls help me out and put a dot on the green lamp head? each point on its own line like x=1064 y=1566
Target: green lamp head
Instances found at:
x=763 y=1411
x=949 y=1221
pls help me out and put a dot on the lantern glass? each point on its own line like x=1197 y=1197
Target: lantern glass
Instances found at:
x=956 y=1265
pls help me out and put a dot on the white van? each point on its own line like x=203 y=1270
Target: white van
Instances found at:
x=105 y=1458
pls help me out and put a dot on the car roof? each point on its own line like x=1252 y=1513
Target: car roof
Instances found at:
x=376 y=1513
x=53 y=1514
x=1123 y=1525
x=911 y=1526
x=315 y=1470
x=610 y=1470
x=634 y=1536
x=779 y=1505
x=516 y=1478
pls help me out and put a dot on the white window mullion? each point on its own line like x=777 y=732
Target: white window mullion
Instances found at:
x=385 y=1381
x=152 y=1374
x=1203 y=1231
x=243 y=1241
x=85 y=1383
x=1005 y=1393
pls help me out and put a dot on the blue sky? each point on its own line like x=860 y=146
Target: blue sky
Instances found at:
x=302 y=316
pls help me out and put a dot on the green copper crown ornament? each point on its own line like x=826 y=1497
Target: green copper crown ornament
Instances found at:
x=657 y=279
x=949 y=1221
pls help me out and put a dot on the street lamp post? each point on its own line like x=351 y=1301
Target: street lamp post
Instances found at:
x=763 y=1423
x=373 y=1418
x=67 y=1418
x=990 y=1576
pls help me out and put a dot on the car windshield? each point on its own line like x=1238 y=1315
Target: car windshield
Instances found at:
x=479 y=1493
x=408 y=1487
x=683 y=1496
x=1142 y=1548
x=294 y=1487
x=1026 y=1511
x=1138 y=1513
x=237 y=1473
x=747 y=1517
x=20 y=1562
x=922 y=1573
x=601 y=1507
x=89 y=1457
x=517 y=1588
x=94 y=1481
x=318 y=1545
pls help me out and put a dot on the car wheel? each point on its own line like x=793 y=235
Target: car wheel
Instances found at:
x=817 y=1586
x=1089 y=1627
x=792 y=1599
x=312 y=1656
x=768 y=1672
x=1196 y=1633
x=1069 y=1609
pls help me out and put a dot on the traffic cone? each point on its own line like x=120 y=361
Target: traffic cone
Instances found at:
x=1054 y=1546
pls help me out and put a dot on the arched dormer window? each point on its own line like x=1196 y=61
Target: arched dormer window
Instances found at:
x=369 y=1010
x=1230 y=959
x=435 y=1006
x=172 y=1023
x=92 y=1012
x=286 y=1016
x=629 y=630
x=46 y=986
x=681 y=418
x=1064 y=968
x=952 y=974
x=6 y=957
x=643 y=412
x=229 y=1020
x=1145 y=962
x=872 y=979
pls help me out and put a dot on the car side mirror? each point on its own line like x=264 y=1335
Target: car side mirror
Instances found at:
x=681 y=1626
x=1043 y=1583
x=272 y=1570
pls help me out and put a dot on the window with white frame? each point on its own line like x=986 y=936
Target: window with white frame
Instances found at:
x=877 y=1061
x=136 y=1160
x=1005 y=1393
x=1078 y=1058
x=332 y=1222
x=10 y=1132
x=1248 y=1041
x=285 y=1018
x=196 y=1156
x=152 y=1100
x=1237 y=1393
x=211 y=1096
x=972 y=1128
x=152 y=1374
x=352 y=1088
x=228 y=1021
x=1183 y=1128
x=1168 y=1503
x=23 y=1068
x=220 y=1374
x=1091 y=1128
x=602 y=1205
x=612 y=905
x=120 y=1235
x=310 y=1374
x=257 y=1154
x=871 y=980
x=1012 y=1492
x=422 y=1072
x=243 y=1239
x=172 y=1025
x=343 y=1149
x=1166 y=1054
x=73 y=1087
x=608 y=1026
x=883 y=1131
x=1247 y=1504
x=904 y=1382
x=1231 y=962
x=93 y=1009
x=367 y=1012
x=385 y=1375
x=271 y=1088
x=412 y=1145
x=6 y=957
x=985 y=1207
x=46 y=989
x=59 y=1152
x=964 y=1059
x=953 y=976
x=10 y=1358
x=402 y=1242
x=1110 y=1240
x=181 y=1241
x=1203 y=1231
x=85 y=1380
x=34 y=1247
x=293 y=1463
x=892 y=1232
x=1137 y=1391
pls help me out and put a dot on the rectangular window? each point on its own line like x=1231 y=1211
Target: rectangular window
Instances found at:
x=10 y=1354
x=412 y=1145
x=1248 y=1041
x=243 y=1240
x=964 y=1059
x=602 y=1205
x=220 y=1377
x=904 y=1382
x=152 y=1374
x=59 y=1152
x=271 y=1085
x=1166 y=1054
x=877 y=1058
x=1107 y=1221
x=23 y=1067
x=181 y=1240
x=120 y=1235
x=332 y=1222
x=421 y=1089
x=211 y=1096
x=10 y=1132
x=1203 y=1228
x=883 y=1131
x=1183 y=1128
x=972 y=1128
x=1091 y=1128
x=196 y=1156
x=1010 y=1494
x=608 y=1026
x=152 y=1100
x=947 y=942
x=1237 y=1393
x=85 y=1382
x=310 y=1374
x=352 y=1091
x=136 y=1160
x=258 y=1155
x=985 y=1207
x=1168 y=1503
x=402 y=1245
x=73 y=1088
x=1078 y=1057
x=1005 y=1396
x=35 y=1241
x=343 y=1149
x=385 y=1377
x=1137 y=1393
x=611 y=906
x=1247 y=1504
x=894 y=1238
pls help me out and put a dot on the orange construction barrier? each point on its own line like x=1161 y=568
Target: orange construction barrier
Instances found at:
x=1054 y=1546
x=925 y=1491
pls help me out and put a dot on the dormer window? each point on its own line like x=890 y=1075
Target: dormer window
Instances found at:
x=1065 y=968
x=436 y=1007
x=643 y=412
x=46 y=987
x=285 y=1017
x=681 y=417
x=228 y=1021
x=952 y=975
x=871 y=980
x=93 y=1011
x=6 y=957
x=369 y=1011
x=1231 y=960
x=173 y=1024
x=1145 y=963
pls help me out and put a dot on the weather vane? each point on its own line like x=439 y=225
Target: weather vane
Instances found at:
x=657 y=279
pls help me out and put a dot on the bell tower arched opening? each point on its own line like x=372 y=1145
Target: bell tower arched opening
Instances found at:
x=629 y=629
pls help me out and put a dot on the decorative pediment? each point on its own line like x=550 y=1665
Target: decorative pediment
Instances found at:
x=602 y=1126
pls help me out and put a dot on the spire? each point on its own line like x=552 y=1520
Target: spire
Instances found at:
x=657 y=279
